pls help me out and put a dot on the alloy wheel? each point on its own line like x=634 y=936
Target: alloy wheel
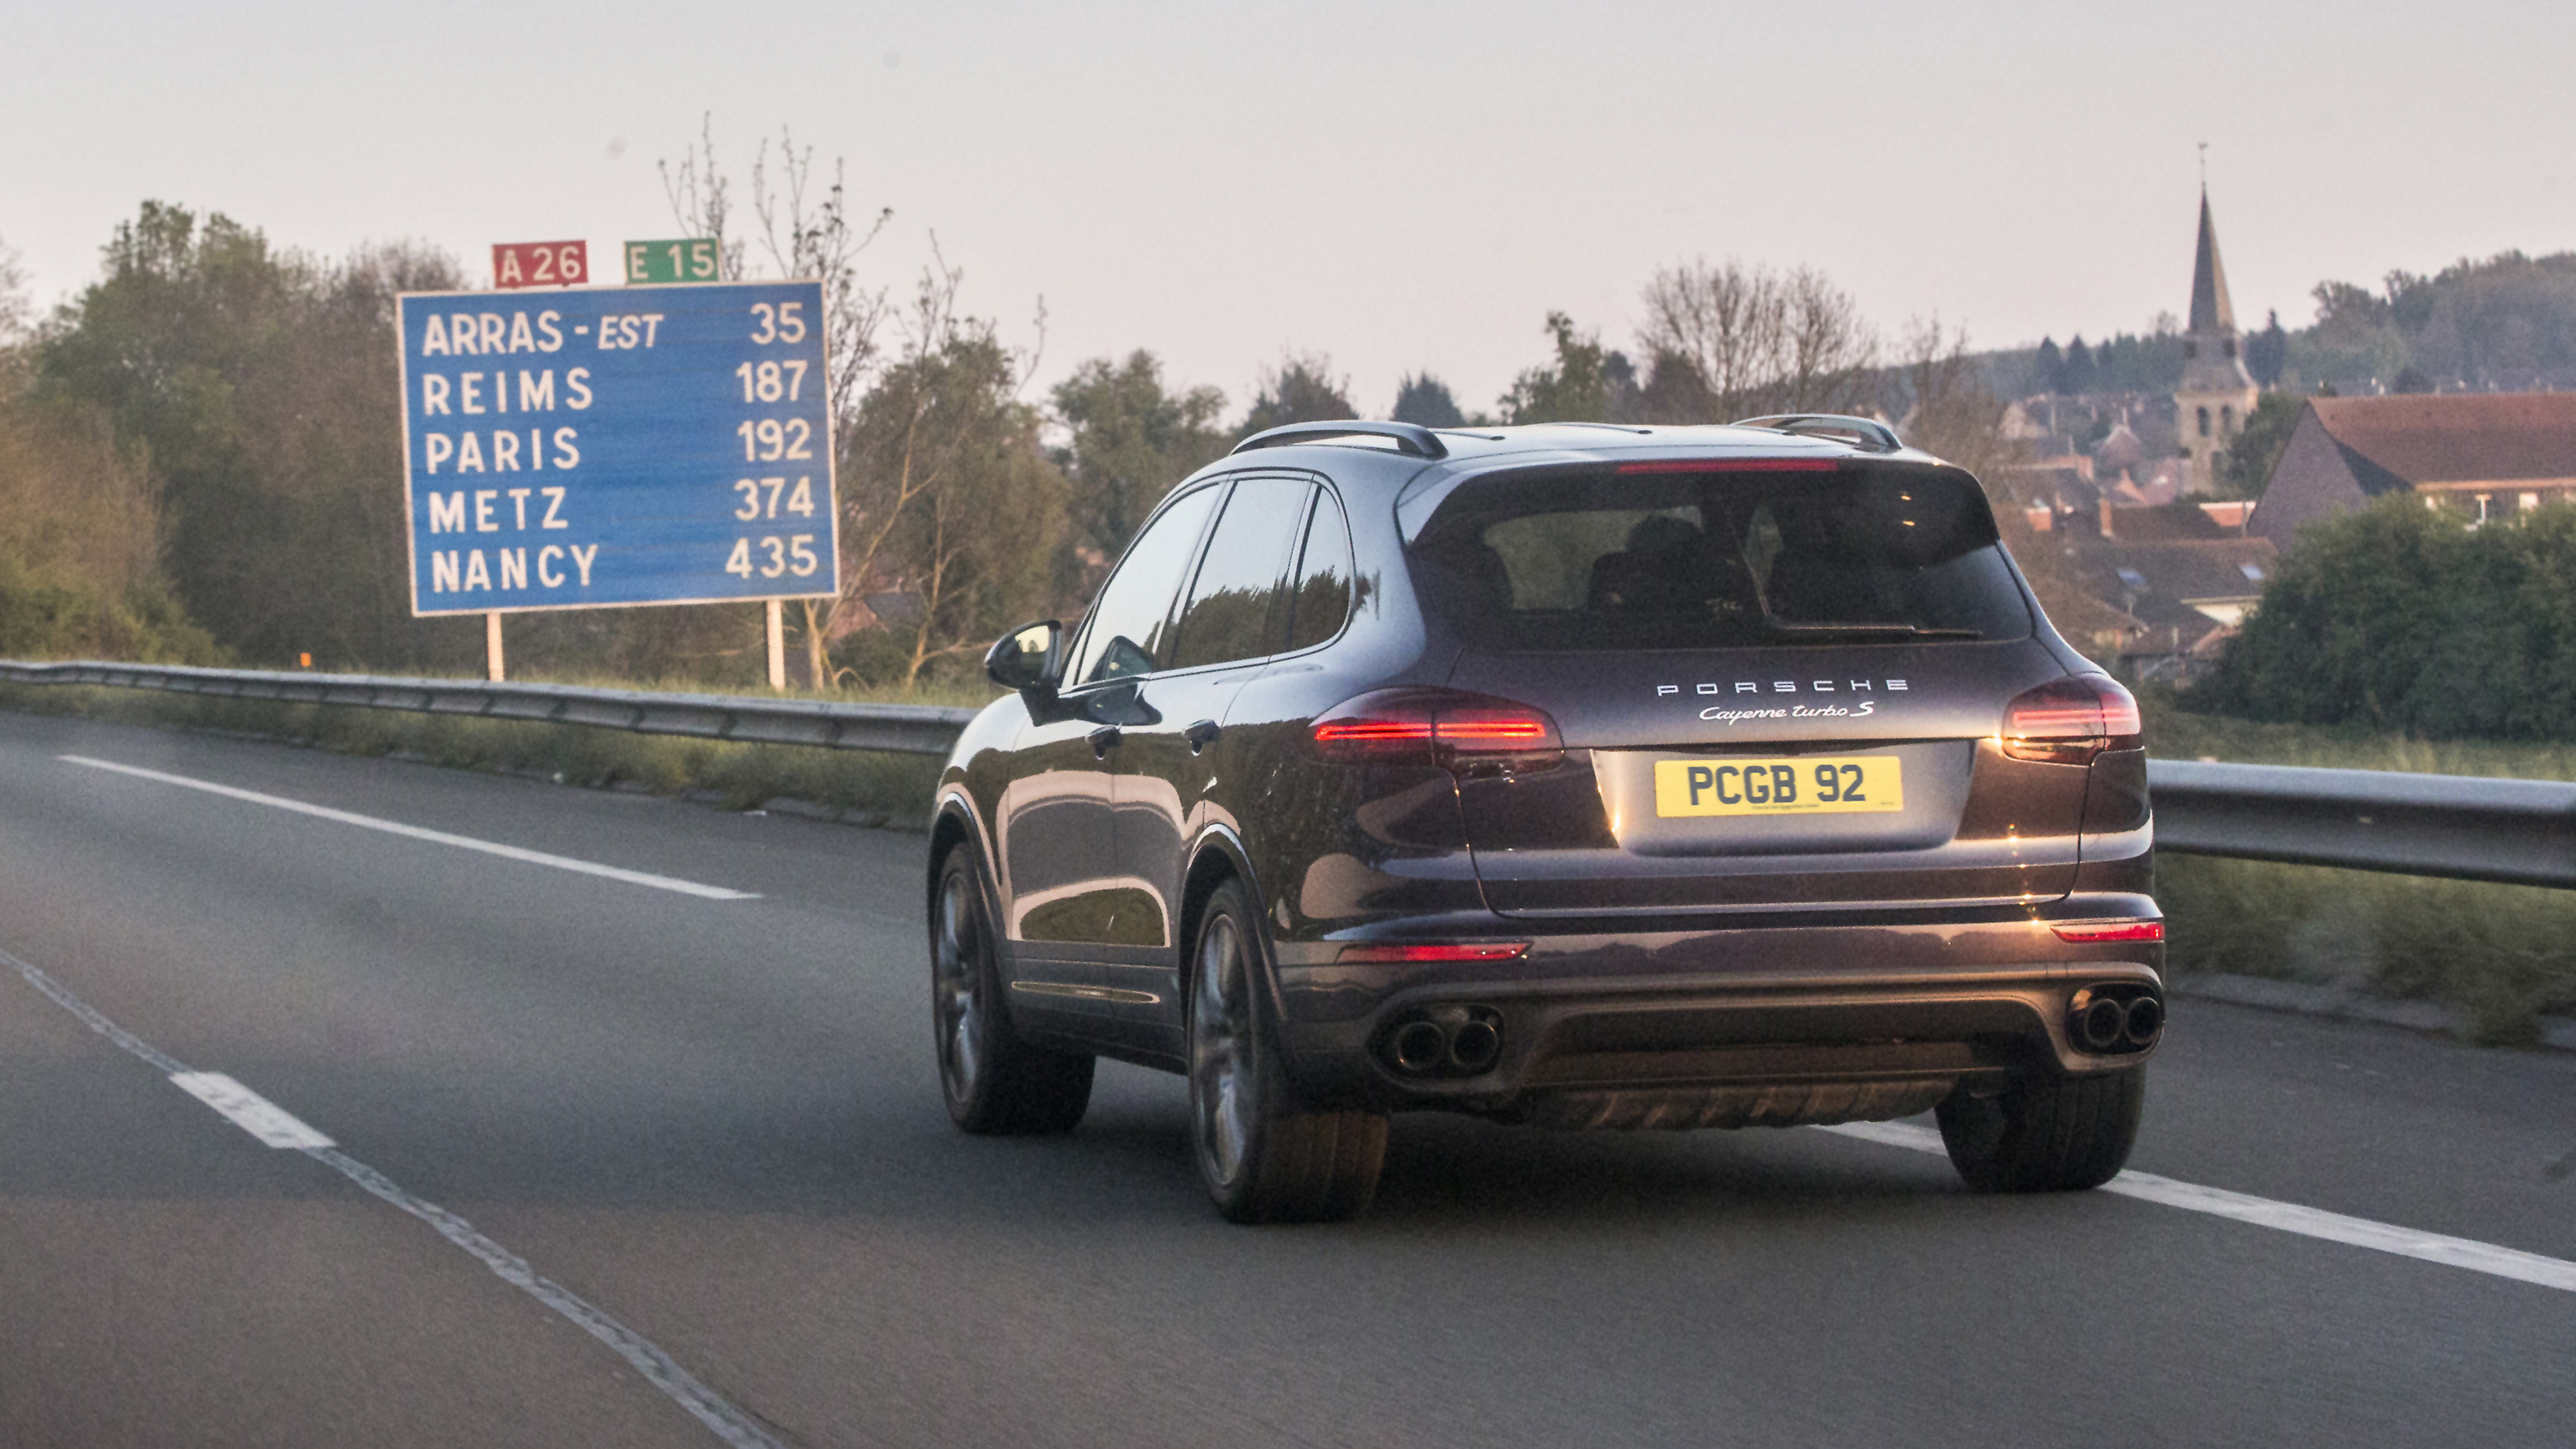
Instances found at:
x=957 y=983
x=1221 y=1066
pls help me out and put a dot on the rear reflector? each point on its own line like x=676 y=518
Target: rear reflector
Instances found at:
x=1732 y=465
x=2089 y=933
x=1443 y=951
x=2069 y=721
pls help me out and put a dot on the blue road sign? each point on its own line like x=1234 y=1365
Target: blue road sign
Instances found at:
x=635 y=445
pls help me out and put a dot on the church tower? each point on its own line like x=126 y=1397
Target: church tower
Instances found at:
x=2217 y=392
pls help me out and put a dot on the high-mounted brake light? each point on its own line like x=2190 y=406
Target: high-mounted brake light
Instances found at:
x=2090 y=933
x=1472 y=733
x=1437 y=951
x=1732 y=465
x=2069 y=721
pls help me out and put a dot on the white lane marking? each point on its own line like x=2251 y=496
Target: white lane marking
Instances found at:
x=415 y=832
x=248 y=1110
x=2287 y=1217
x=728 y=1423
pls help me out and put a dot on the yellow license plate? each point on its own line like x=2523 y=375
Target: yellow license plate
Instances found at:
x=1815 y=785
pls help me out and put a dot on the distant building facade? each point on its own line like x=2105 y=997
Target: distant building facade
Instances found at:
x=2216 y=393
x=2489 y=456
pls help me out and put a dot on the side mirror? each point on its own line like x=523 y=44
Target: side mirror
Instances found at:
x=1028 y=657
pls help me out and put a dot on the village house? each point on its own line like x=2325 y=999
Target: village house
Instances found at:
x=2489 y=456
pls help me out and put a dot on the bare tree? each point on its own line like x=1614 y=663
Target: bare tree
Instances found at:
x=14 y=309
x=952 y=501
x=1728 y=341
x=806 y=233
x=701 y=196
x=1939 y=391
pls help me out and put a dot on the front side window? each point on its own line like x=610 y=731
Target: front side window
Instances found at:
x=1128 y=620
x=1236 y=596
x=1718 y=560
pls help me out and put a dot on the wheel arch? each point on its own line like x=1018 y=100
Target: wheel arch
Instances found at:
x=954 y=824
x=1219 y=857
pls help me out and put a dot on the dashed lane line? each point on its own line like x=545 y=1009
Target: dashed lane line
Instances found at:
x=2287 y=1217
x=415 y=832
x=278 y=1128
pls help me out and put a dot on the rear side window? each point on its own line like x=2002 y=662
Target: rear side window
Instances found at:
x=1322 y=598
x=1718 y=560
x=1233 y=604
x=1127 y=621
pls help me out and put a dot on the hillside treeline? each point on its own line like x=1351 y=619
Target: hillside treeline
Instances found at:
x=2506 y=323
x=2408 y=620
x=200 y=453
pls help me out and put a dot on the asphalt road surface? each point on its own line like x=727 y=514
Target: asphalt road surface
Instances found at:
x=619 y=1163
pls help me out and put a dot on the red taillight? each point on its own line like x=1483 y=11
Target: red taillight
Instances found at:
x=2069 y=721
x=1363 y=732
x=1438 y=726
x=2088 y=933
x=1732 y=465
x=1440 y=951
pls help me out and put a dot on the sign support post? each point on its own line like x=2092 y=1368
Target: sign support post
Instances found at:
x=777 y=647
x=492 y=645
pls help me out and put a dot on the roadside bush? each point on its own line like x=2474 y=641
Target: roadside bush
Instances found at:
x=2408 y=621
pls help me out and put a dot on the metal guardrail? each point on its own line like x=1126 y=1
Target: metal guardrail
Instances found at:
x=2462 y=827
x=900 y=728
x=2522 y=832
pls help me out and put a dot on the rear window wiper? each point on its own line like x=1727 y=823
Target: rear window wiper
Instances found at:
x=1866 y=631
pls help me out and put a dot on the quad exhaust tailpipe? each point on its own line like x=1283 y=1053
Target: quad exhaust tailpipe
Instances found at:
x=2104 y=1020
x=1417 y=1047
x=1449 y=1041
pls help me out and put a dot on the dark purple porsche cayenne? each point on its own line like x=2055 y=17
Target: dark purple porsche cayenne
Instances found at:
x=1582 y=776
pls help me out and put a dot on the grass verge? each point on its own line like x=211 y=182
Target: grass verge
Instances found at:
x=886 y=789
x=2500 y=955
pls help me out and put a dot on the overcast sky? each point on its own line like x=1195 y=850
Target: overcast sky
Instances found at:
x=1402 y=186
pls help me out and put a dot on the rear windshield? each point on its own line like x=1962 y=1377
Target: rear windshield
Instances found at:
x=1718 y=560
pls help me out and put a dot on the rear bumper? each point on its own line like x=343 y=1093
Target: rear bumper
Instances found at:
x=1773 y=1021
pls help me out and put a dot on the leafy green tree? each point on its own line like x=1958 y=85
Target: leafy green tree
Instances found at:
x=953 y=508
x=1426 y=401
x=2247 y=464
x=2406 y=619
x=80 y=541
x=2050 y=367
x=263 y=388
x=2079 y=375
x=1301 y=390
x=1577 y=386
x=1133 y=438
x=2267 y=352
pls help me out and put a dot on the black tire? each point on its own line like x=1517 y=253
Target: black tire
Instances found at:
x=2061 y=1134
x=1263 y=1159
x=994 y=1082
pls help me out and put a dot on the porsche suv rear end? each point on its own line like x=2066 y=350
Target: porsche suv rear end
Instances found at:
x=1572 y=775
x=1784 y=806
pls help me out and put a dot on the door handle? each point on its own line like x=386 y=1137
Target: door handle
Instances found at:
x=1103 y=740
x=1200 y=735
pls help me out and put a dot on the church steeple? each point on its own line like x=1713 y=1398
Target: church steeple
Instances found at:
x=2210 y=309
x=2217 y=392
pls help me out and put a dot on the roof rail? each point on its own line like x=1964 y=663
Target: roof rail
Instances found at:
x=1420 y=441
x=1868 y=434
